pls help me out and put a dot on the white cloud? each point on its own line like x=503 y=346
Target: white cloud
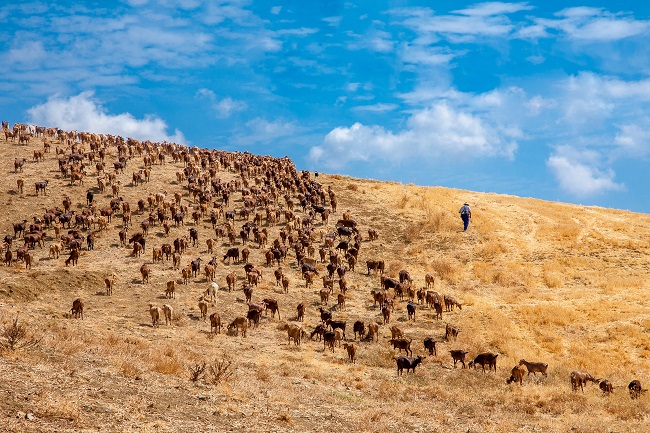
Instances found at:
x=494 y=8
x=302 y=31
x=376 y=108
x=228 y=106
x=423 y=55
x=437 y=131
x=333 y=21
x=634 y=139
x=84 y=113
x=263 y=131
x=224 y=107
x=378 y=41
x=580 y=178
x=275 y=10
x=586 y=24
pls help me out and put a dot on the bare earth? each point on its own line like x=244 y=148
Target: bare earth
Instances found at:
x=562 y=284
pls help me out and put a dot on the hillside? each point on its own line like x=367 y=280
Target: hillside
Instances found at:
x=562 y=284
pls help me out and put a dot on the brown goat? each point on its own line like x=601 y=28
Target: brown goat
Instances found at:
x=517 y=375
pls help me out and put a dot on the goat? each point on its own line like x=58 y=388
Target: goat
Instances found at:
x=373 y=331
x=534 y=367
x=430 y=345
x=77 y=309
x=458 y=356
x=215 y=323
x=170 y=291
x=211 y=291
x=239 y=324
x=203 y=308
x=109 y=284
x=352 y=351
x=396 y=332
x=635 y=389
x=408 y=363
x=451 y=331
x=485 y=358
x=517 y=375
x=155 y=315
x=168 y=312
x=606 y=387
x=402 y=344
x=580 y=378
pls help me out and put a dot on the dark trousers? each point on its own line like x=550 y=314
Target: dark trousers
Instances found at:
x=465 y=218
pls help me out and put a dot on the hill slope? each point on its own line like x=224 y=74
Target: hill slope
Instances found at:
x=543 y=281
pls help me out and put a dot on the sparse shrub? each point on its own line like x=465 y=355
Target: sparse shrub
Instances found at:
x=17 y=336
x=353 y=187
x=197 y=371
x=214 y=373
x=444 y=269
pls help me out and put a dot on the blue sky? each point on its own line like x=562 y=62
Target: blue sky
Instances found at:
x=545 y=99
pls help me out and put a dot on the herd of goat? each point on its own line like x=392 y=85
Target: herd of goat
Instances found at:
x=272 y=196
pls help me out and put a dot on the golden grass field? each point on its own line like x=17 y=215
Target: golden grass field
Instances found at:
x=551 y=282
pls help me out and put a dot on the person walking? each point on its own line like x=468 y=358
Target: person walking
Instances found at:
x=465 y=214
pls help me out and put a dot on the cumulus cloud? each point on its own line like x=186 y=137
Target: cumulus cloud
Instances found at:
x=84 y=113
x=580 y=178
x=439 y=130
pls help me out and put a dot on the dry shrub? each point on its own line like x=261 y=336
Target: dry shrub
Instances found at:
x=566 y=231
x=167 y=363
x=505 y=275
x=54 y=407
x=17 y=335
x=129 y=369
x=444 y=269
x=414 y=231
x=548 y=314
x=438 y=221
x=213 y=373
x=353 y=187
x=394 y=268
x=490 y=250
x=402 y=201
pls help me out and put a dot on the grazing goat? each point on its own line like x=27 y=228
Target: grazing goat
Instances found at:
x=77 y=309
x=239 y=324
x=408 y=363
x=606 y=387
x=534 y=367
x=211 y=291
x=485 y=358
x=580 y=378
x=517 y=375
x=295 y=333
x=430 y=345
x=359 y=328
x=401 y=344
x=635 y=389
x=450 y=332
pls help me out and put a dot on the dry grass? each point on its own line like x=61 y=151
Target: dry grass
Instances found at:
x=550 y=282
